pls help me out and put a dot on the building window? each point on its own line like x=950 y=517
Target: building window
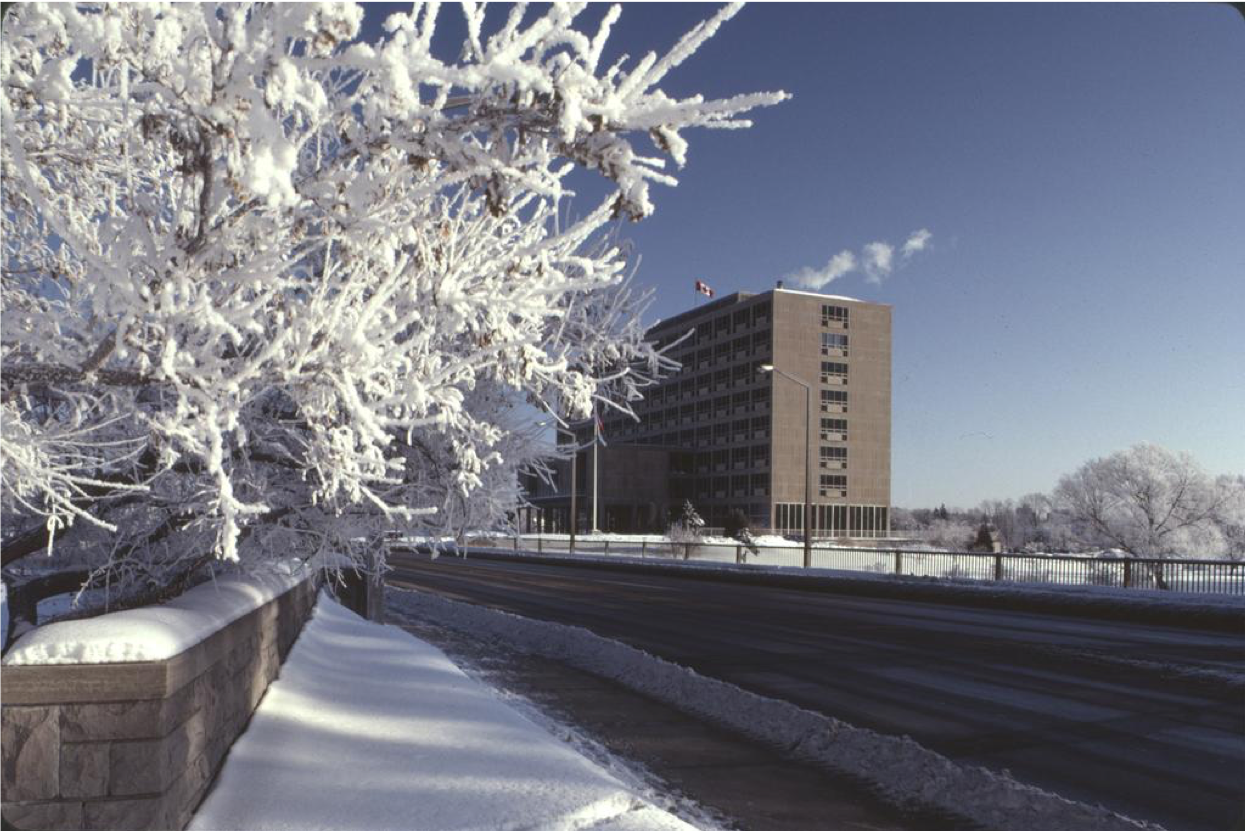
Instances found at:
x=833 y=456
x=833 y=429
x=833 y=315
x=832 y=484
x=834 y=343
x=833 y=372
x=789 y=516
x=834 y=401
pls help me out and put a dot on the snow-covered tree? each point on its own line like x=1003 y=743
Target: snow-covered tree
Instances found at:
x=1146 y=501
x=268 y=290
x=687 y=528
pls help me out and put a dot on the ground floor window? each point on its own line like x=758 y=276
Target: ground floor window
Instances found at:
x=857 y=521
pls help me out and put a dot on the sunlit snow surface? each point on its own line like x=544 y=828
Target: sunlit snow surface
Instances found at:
x=897 y=767
x=370 y=728
x=152 y=633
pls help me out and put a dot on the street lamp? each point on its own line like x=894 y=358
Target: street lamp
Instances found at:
x=808 y=449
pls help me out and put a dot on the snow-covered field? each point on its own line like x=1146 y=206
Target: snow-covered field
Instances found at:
x=368 y=727
x=1217 y=606
x=1219 y=578
x=899 y=768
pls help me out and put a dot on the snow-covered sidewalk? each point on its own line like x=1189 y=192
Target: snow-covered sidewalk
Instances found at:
x=369 y=727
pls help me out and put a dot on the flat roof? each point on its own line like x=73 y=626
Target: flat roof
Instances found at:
x=710 y=307
x=832 y=297
x=741 y=296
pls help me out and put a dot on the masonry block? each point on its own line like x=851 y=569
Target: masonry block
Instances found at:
x=118 y=747
x=44 y=816
x=126 y=815
x=31 y=741
x=138 y=767
x=85 y=769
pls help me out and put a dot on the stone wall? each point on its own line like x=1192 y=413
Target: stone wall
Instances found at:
x=135 y=746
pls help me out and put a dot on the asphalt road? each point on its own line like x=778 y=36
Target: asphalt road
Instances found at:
x=1097 y=711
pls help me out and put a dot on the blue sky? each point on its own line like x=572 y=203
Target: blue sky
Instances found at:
x=1081 y=170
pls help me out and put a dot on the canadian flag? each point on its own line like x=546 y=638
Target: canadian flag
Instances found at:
x=704 y=289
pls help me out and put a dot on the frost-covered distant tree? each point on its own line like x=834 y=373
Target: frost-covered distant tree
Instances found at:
x=1230 y=515
x=952 y=533
x=268 y=290
x=1146 y=501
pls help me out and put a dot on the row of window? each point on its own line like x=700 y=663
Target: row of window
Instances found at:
x=834 y=520
x=687 y=414
x=833 y=340
x=721 y=487
x=744 y=373
x=756 y=344
x=723 y=325
x=689 y=390
x=834 y=425
x=833 y=315
x=833 y=368
x=833 y=484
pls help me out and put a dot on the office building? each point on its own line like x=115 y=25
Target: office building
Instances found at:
x=728 y=435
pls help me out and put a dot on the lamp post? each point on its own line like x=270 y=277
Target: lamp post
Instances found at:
x=808 y=449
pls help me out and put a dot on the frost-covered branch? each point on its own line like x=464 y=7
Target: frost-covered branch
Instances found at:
x=318 y=285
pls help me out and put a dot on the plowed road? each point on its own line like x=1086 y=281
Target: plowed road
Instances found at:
x=1097 y=711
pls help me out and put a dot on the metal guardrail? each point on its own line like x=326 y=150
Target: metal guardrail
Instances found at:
x=1198 y=576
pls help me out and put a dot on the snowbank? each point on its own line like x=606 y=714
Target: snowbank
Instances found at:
x=153 y=633
x=370 y=728
x=898 y=768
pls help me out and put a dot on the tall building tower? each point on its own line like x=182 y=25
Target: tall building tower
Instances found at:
x=728 y=435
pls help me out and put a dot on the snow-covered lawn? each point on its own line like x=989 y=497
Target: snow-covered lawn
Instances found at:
x=1057 y=594
x=1085 y=570
x=368 y=727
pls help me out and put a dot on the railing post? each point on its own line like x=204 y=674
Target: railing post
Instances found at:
x=899 y=562
x=998 y=566
x=540 y=545
x=1128 y=574
x=607 y=546
x=643 y=548
x=687 y=551
x=516 y=542
x=739 y=554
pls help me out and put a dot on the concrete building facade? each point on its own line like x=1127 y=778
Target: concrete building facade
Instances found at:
x=727 y=435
